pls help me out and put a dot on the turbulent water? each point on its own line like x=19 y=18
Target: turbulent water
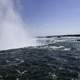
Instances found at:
x=39 y=64
x=48 y=62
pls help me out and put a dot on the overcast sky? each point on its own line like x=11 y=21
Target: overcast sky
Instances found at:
x=51 y=16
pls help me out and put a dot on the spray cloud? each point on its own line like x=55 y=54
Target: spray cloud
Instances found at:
x=12 y=28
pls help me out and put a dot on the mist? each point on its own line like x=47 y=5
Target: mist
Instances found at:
x=13 y=31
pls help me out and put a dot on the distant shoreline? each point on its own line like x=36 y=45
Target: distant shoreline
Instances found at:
x=70 y=35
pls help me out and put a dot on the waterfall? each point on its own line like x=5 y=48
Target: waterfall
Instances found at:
x=13 y=32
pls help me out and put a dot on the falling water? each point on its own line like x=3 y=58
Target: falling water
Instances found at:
x=12 y=29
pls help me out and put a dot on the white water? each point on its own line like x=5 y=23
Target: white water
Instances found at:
x=13 y=33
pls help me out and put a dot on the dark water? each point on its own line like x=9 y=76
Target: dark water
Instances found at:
x=39 y=64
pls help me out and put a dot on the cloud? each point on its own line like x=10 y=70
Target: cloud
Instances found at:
x=12 y=28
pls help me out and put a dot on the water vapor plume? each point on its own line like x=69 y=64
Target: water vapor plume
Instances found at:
x=12 y=29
